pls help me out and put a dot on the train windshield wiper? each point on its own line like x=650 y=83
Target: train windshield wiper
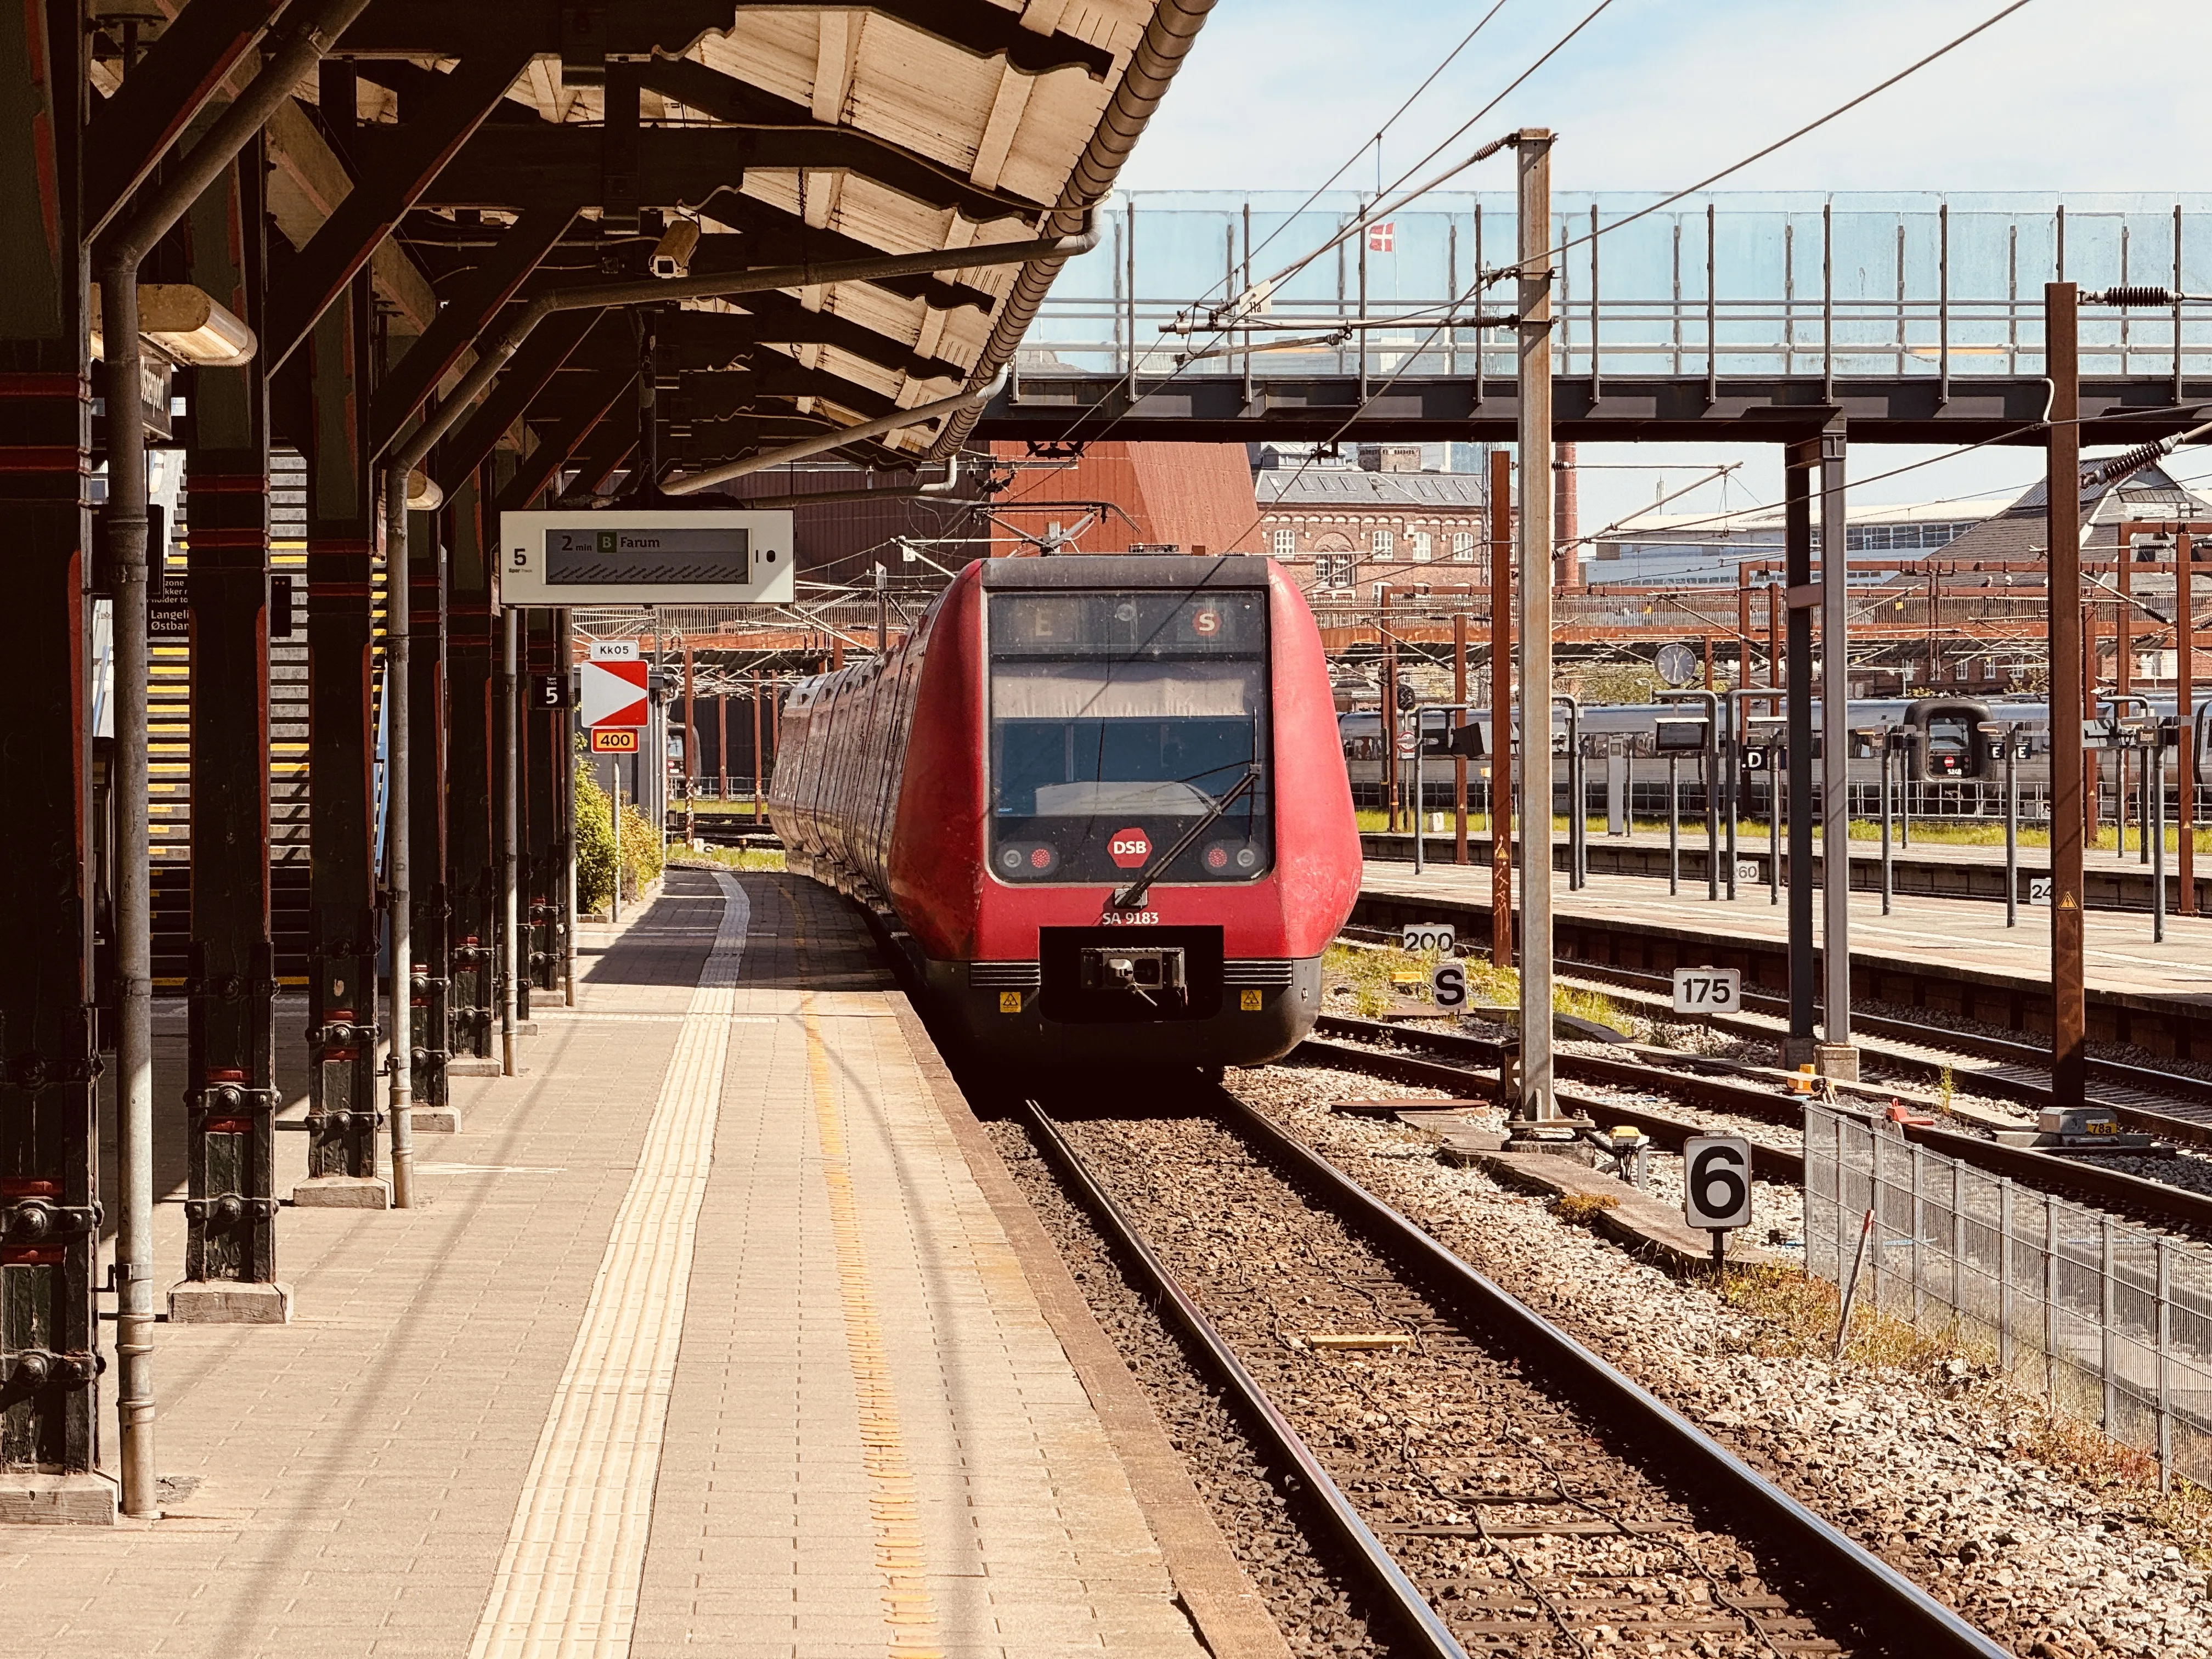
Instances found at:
x=1133 y=895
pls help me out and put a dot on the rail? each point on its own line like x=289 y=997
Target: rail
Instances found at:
x=1882 y=1601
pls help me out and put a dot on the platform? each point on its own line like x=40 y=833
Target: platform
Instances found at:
x=1931 y=868
x=1967 y=935
x=709 y=1339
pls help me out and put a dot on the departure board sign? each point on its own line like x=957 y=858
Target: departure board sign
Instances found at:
x=615 y=555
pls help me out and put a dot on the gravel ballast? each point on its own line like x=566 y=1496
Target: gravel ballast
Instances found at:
x=1935 y=1473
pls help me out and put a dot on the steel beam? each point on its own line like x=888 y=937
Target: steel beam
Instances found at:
x=1906 y=409
x=472 y=303
x=471 y=871
x=130 y=132
x=49 y=1144
x=344 y=922
x=1532 y=147
x=545 y=869
x=520 y=166
x=2069 y=1054
x=230 y=1098
x=746 y=106
x=1837 y=1057
x=392 y=175
x=541 y=469
x=589 y=35
x=531 y=371
x=778 y=319
x=429 y=968
x=771 y=235
x=1801 y=463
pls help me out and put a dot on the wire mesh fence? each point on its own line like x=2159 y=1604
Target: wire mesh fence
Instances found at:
x=2112 y=1323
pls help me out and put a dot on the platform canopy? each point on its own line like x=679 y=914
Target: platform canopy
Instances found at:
x=472 y=156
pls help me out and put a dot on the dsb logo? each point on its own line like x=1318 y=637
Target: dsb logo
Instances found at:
x=1129 y=848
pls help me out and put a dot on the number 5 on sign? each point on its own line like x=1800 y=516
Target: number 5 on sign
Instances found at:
x=1717 y=1182
x=1708 y=990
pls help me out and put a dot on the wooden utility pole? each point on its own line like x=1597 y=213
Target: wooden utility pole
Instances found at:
x=1501 y=707
x=2068 y=685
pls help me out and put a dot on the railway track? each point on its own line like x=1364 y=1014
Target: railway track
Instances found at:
x=1497 y=1487
x=2170 y=1103
x=1467 y=1066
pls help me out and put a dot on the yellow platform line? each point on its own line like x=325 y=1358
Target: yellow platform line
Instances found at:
x=568 y=1577
x=910 y=1615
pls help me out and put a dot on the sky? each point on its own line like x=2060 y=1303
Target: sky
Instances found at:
x=1655 y=95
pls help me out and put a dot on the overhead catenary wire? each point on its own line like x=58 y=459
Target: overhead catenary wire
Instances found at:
x=1814 y=125
x=1481 y=154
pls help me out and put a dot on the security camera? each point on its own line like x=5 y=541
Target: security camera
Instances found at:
x=671 y=254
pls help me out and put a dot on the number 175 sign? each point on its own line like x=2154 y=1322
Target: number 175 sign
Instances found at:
x=1708 y=990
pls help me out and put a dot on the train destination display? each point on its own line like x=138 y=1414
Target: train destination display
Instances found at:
x=697 y=556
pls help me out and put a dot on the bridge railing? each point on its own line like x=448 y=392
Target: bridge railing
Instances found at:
x=1748 y=284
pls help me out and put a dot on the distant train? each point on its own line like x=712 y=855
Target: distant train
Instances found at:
x=1943 y=751
x=1098 y=803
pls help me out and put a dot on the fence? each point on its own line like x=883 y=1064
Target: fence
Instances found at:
x=1734 y=283
x=2112 y=1323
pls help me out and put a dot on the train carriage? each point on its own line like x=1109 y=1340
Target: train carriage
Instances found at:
x=1068 y=793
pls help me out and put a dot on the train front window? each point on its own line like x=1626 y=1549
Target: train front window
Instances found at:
x=1119 y=720
x=1950 y=747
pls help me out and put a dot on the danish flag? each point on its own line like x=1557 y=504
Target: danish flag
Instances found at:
x=1383 y=238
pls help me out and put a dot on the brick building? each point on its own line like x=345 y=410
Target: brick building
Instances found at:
x=1194 y=498
x=1342 y=530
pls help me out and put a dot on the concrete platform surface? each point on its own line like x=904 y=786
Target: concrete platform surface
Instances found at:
x=2119 y=954
x=706 y=1340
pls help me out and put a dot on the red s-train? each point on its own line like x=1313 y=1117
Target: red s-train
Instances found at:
x=1100 y=803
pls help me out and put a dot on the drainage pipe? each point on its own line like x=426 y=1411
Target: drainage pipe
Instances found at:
x=301 y=46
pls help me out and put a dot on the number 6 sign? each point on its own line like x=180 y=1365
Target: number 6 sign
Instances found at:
x=1717 y=1182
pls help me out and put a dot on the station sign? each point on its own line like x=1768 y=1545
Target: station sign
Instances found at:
x=616 y=556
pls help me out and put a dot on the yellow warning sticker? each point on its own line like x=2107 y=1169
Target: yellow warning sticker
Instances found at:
x=1248 y=1001
x=2066 y=901
x=1009 y=1002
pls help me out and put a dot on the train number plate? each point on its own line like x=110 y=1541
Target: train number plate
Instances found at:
x=1129 y=918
